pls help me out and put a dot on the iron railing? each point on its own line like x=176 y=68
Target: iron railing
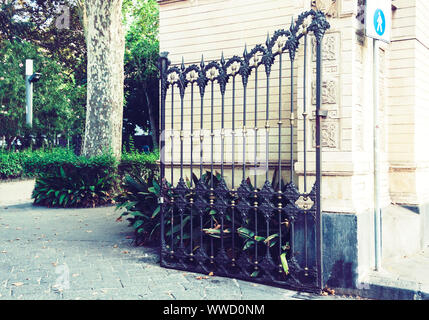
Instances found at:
x=248 y=231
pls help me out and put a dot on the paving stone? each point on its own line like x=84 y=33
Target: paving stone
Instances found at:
x=55 y=246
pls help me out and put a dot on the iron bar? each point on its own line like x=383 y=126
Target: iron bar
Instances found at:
x=212 y=136
x=202 y=91
x=233 y=168
x=256 y=126
x=191 y=169
x=304 y=115
x=279 y=190
x=192 y=135
x=255 y=186
x=172 y=134
x=319 y=231
x=211 y=165
x=267 y=128
x=244 y=113
x=292 y=122
x=163 y=65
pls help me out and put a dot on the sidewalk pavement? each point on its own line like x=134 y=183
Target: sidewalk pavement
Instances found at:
x=68 y=254
x=404 y=278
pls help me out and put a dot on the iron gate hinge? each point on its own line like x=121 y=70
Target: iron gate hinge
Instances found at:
x=322 y=113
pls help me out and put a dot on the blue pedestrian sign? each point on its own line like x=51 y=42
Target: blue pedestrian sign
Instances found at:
x=379 y=22
x=378 y=19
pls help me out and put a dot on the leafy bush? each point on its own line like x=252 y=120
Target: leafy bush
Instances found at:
x=27 y=163
x=138 y=164
x=140 y=199
x=10 y=165
x=64 y=179
x=78 y=182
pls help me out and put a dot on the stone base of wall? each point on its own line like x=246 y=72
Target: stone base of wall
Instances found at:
x=422 y=211
x=348 y=242
x=340 y=250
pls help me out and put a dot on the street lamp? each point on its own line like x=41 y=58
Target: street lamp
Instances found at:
x=30 y=78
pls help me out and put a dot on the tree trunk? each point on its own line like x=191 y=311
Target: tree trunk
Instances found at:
x=153 y=128
x=105 y=86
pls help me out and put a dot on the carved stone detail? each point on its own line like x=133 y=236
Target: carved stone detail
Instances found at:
x=329 y=92
x=329 y=7
x=330 y=47
x=330 y=135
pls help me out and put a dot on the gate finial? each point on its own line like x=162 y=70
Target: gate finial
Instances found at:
x=182 y=67
x=202 y=65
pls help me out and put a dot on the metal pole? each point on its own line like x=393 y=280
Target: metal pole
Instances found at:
x=163 y=66
x=377 y=211
x=29 y=92
x=319 y=221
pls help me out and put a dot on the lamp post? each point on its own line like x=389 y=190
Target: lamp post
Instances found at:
x=30 y=78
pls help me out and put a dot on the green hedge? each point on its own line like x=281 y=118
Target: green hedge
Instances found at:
x=138 y=164
x=77 y=182
x=28 y=164
x=66 y=180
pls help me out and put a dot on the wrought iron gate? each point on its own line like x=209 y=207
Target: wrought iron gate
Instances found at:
x=260 y=229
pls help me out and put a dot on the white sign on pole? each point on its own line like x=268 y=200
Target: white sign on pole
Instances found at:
x=378 y=19
x=28 y=67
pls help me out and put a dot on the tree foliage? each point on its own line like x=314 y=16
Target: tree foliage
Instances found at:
x=58 y=102
x=53 y=25
x=141 y=73
x=32 y=26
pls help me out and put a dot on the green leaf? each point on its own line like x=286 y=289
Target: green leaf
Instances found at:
x=156 y=211
x=62 y=198
x=137 y=224
x=271 y=237
x=248 y=244
x=246 y=233
x=156 y=186
x=62 y=173
x=176 y=228
x=255 y=274
x=284 y=263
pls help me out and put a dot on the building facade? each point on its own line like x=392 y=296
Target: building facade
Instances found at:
x=191 y=28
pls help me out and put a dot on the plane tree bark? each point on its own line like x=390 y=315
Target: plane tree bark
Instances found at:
x=105 y=43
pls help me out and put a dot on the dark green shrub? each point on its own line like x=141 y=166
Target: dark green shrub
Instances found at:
x=138 y=164
x=28 y=163
x=37 y=162
x=10 y=165
x=78 y=182
x=140 y=200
